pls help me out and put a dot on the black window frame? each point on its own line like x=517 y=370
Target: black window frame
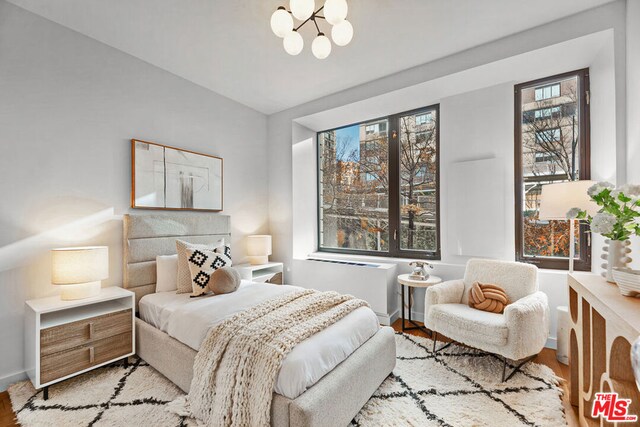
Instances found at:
x=553 y=263
x=394 y=201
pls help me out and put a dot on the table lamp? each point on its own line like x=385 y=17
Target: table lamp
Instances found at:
x=557 y=199
x=258 y=249
x=79 y=271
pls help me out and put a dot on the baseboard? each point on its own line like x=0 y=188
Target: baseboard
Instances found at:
x=5 y=382
x=552 y=343
x=417 y=316
x=384 y=319
x=395 y=316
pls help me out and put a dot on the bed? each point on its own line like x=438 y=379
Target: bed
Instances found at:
x=329 y=395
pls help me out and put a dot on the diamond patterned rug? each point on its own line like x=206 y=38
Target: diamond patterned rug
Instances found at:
x=461 y=387
x=456 y=387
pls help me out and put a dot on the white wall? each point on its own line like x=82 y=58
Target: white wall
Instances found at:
x=68 y=107
x=465 y=120
x=610 y=16
x=633 y=106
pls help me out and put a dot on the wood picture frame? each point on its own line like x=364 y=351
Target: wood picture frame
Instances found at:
x=169 y=178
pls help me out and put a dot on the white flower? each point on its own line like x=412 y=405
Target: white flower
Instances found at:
x=629 y=190
x=573 y=213
x=595 y=189
x=603 y=223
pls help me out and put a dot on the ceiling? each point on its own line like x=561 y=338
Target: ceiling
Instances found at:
x=228 y=47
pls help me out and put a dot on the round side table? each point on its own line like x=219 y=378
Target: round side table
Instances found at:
x=404 y=280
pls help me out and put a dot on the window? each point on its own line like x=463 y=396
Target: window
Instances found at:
x=545 y=113
x=551 y=145
x=548 y=91
x=422 y=119
x=389 y=204
x=544 y=157
x=423 y=137
x=551 y=136
x=376 y=128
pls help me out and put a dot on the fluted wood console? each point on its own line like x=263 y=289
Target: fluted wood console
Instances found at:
x=603 y=325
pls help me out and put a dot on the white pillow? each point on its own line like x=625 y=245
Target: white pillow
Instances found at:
x=184 y=275
x=166 y=273
x=202 y=265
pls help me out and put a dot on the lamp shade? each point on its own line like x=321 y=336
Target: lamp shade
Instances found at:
x=293 y=43
x=557 y=199
x=302 y=9
x=259 y=245
x=79 y=265
x=342 y=33
x=321 y=46
x=281 y=22
x=335 y=11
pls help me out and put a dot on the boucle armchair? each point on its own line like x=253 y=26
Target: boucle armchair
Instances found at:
x=517 y=334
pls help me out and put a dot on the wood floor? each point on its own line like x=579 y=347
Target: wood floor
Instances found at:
x=7 y=417
x=546 y=357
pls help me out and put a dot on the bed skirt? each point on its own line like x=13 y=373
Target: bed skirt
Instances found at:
x=332 y=401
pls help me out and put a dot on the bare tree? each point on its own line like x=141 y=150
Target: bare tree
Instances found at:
x=417 y=170
x=356 y=183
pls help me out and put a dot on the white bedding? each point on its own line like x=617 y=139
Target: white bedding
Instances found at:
x=188 y=320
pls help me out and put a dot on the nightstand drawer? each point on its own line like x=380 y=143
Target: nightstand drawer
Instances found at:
x=82 y=332
x=67 y=362
x=276 y=279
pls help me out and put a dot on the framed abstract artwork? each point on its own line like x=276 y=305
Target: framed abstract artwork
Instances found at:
x=164 y=177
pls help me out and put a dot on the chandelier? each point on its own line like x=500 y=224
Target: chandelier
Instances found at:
x=333 y=11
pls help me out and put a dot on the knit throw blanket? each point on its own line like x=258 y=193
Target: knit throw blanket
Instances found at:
x=236 y=368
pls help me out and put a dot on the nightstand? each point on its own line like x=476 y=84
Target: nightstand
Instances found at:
x=271 y=272
x=67 y=338
x=405 y=280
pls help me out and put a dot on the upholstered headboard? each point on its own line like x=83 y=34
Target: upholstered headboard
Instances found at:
x=147 y=236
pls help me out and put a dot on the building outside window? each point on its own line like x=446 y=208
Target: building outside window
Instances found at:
x=546 y=92
x=551 y=145
x=545 y=113
x=378 y=186
x=422 y=119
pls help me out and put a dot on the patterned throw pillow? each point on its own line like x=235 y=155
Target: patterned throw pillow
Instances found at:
x=225 y=249
x=202 y=264
x=184 y=275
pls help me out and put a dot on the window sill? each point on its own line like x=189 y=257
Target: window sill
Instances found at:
x=372 y=258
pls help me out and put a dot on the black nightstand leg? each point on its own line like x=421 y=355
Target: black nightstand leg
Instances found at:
x=125 y=362
x=402 y=308
x=45 y=393
x=410 y=304
x=410 y=319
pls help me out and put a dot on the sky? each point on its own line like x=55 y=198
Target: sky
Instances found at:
x=352 y=135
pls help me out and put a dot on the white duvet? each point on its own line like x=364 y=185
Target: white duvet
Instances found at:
x=188 y=320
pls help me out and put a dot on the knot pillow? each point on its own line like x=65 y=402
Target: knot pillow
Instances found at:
x=224 y=280
x=487 y=297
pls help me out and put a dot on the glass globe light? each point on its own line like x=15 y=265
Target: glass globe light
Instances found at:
x=281 y=22
x=293 y=43
x=335 y=11
x=321 y=46
x=342 y=33
x=302 y=9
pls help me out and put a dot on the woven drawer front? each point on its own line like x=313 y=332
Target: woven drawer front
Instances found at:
x=81 y=332
x=67 y=362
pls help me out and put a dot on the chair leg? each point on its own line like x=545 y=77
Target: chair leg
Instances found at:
x=516 y=369
x=504 y=368
x=435 y=342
